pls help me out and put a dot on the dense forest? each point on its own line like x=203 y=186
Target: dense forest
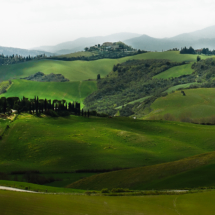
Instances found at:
x=133 y=80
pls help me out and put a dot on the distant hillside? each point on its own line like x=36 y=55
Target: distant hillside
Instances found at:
x=23 y=52
x=198 y=39
x=80 y=43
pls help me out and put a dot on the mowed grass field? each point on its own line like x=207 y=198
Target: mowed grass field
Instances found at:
x=176 y=71
x=69 y=91
x=15 y=203
x=56 y=145
x=83 y=70
x=196 y=104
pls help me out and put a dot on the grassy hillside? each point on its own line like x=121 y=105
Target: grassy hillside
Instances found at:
x=174 y=88
x=82 y=70
x=151 y=177
x=76 y=54
x=69 y=91
x=75 y=143
x=14 y=203
x=196 y=104
x=176 y=71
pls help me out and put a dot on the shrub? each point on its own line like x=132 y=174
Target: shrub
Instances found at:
x=51 y=113
x=105 y=190
x=120 y=190
x=168 y=117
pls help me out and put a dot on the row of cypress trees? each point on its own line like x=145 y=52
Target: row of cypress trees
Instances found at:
x=37 y=105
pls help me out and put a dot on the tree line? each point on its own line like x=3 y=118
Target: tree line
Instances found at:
x=13 y=59
x=36 y=105
x=191 y=50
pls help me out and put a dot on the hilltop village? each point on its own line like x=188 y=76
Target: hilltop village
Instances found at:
x=111 y=47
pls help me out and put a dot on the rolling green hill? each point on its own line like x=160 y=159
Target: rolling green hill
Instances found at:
x=197 y=171
x=14 y=203
x=82 y=70
x=78 y=143
x=69 y=91
x=196 y=104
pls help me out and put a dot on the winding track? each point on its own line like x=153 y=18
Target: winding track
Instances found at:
x=15 y=189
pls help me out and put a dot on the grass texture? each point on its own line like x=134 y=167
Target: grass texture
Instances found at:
x=78 y=143
x=14 y=203
x=196 y=104
x=195 y=173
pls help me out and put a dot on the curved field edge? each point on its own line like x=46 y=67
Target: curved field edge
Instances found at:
x=38 y=188
x=83 y=70
x=197 y=103
x=76 y=143
x=69 y=91
x=176 y=71
x=137 y=178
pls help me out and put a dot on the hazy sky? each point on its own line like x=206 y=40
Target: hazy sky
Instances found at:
x=31 y=23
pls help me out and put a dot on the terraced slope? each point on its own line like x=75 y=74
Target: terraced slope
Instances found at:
x=69 y=91
x=82 y=70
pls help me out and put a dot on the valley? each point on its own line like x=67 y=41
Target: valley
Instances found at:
x=165 y=144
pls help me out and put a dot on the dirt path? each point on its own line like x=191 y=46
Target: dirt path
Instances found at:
x=15 y=189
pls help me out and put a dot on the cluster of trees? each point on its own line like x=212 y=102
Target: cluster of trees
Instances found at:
x=13 y=59
x=190 y=50
x=36 y=105
x=186 y=50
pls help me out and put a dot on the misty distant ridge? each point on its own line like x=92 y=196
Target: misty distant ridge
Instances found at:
x=80 y=43
x=197 y=39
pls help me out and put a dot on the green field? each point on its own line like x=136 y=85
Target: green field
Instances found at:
x=174 y=88
x=176 y=71
x=69 y=91
x=15 y=203
x=74 y=143
x=192 y=172
x=196 y=104
x=83 y=70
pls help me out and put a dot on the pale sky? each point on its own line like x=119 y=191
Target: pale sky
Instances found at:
x=32 y=23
